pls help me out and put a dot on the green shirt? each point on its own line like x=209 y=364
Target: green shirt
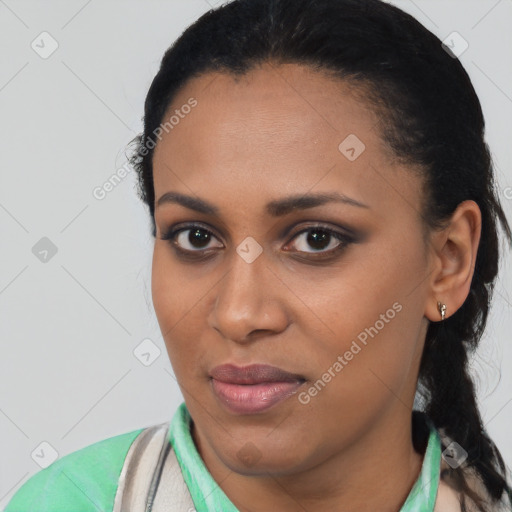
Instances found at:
x=86 y=480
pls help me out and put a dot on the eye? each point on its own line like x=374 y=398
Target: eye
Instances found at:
x=323 y=240
x=194 y=238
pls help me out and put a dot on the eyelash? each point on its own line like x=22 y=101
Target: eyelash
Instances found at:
x=344 y=240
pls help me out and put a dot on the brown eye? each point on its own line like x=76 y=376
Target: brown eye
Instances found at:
x=192 y=239
x=321 y=240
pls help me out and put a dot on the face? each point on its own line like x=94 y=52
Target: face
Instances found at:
x=331 y=292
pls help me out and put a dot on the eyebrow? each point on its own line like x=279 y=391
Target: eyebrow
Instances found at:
x=275 y=208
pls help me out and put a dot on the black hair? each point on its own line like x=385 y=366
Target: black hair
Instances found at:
x=430 y=118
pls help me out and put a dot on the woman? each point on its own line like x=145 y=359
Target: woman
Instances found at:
x=325 y=223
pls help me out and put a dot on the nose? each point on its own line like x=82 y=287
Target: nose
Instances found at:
x=250 y=301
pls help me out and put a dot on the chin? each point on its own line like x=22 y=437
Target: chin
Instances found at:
x=264 y=458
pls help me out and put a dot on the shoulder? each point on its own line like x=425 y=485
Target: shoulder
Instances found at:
x=84 y=480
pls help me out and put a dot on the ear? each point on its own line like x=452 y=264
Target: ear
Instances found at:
x=453 y=256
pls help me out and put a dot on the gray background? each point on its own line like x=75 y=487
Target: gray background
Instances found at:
x=69 y=326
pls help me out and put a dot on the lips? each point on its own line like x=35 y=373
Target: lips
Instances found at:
x=253 y=374
x=253 y=389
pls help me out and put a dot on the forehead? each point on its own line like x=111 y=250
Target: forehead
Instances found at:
x=276 y=129
x=277 y=105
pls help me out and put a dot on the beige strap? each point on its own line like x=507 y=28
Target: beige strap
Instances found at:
x=151 y=479
x=172 y=493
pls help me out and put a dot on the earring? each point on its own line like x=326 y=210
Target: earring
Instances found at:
x=442 y=309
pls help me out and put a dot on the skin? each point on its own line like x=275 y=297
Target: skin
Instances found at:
x=272 y=133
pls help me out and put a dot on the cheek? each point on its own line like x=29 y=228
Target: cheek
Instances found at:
x=179 y=308
x=162 y=288
x=372 y=312
x=364 y=373
x=174 y=294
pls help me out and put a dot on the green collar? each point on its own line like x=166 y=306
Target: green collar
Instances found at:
x=209 y=497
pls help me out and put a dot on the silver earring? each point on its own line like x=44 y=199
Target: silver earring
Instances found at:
x=442 y=309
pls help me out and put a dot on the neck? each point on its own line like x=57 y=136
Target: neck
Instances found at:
x=376 y=472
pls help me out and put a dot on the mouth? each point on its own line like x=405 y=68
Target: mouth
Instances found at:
x=253 y=389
